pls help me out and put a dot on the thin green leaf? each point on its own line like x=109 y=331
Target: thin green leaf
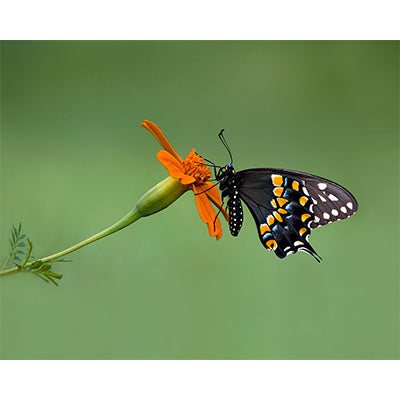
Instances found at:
x=52 y=280
x=53 y=274
x=42 y=277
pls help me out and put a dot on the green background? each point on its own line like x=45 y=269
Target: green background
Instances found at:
x=74 y=159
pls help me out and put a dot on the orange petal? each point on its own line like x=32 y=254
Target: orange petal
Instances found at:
x=187 y=180
x=156 y=132
x=175 y=169
x=208 y=214
x=214 y=197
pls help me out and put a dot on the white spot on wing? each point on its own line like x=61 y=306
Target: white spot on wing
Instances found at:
x=343 y=209
x=316 y=219
x=335 y=212
x=323 y=199
x=298 y=243
x=326 y=215
x=350 y=205
x=322 y=186
x=332 y=197
x=305 y=191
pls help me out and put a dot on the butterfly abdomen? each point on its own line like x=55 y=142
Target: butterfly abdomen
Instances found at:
x=229 y=189
x=235 y=214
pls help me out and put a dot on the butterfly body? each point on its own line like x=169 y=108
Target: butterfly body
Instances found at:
x=286 y=205
x=229 y=188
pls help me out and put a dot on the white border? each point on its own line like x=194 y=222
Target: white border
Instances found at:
x=155 y=20
x=328 y=380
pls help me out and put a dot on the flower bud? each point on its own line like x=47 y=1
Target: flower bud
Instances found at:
x=160 y=196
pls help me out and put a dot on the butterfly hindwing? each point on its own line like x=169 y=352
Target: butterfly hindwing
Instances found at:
x=286 y=205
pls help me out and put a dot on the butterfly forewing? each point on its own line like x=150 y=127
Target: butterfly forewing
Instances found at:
x=286 y=205
x=331 y=202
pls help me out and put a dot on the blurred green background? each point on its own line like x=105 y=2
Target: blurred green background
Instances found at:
x=74 y=159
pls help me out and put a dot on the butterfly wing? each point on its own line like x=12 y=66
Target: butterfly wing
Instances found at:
x=287 y=204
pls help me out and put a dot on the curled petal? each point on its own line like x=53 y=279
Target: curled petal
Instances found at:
x=173 y=166
x=156 y=132
x=213 y=195
x=208 y=214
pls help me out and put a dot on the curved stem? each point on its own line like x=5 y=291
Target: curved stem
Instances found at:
x=10 y=271
x=156 y=199
x=122 y=223
x=131 y=217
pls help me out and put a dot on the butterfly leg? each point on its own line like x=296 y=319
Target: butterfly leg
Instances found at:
x=219 y=210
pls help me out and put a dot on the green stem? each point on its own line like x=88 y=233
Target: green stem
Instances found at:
x=10 y=271
x=122 y=223
x=156 y=199
x=131 y=217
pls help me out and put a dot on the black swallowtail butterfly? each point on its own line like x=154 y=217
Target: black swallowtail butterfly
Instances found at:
x=285 y=204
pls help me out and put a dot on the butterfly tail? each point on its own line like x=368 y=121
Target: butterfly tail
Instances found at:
x=312 y=252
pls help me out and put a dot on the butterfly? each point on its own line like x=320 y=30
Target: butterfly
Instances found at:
x=286 y=205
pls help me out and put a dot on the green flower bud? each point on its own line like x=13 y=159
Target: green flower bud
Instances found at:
x=160 y=196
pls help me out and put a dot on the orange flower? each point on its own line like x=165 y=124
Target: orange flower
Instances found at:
x=191 y=172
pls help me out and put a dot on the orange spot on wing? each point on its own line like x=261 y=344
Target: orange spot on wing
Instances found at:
x=302 y=231
x=264 y=228
x=271 y=244
x=305 y=217
x=303 y=200
x=273 y=203
x=295 y=185
x=277 y=180
x=270 y=220
x=278 y=216
x=281 y=201
x=282 y=211
x=278 y=191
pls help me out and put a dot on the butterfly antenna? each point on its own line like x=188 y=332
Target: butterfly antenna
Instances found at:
x=211 y=164
x=224 y=142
